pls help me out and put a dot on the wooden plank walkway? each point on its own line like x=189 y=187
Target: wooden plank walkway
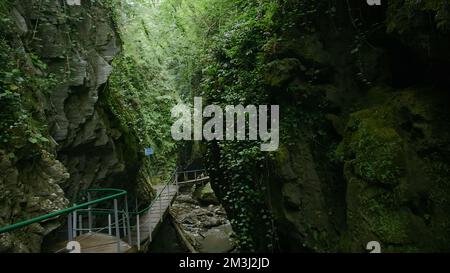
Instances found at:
x=149 y=222
x=199 y=180
x=128 y=234
x=92 y=242
x=101 y=243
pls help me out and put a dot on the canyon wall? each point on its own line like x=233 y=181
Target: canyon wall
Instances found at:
x=58 y=134
x=364 y=153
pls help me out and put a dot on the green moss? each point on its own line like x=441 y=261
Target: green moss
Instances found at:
x=280 y=71
x=389 y=225
x=23 y=85
x=375 y=214
x=311 y=49
x=405 y=16
x=393 y=193
x=373 y=150
x=373 y=144
x=282 y=155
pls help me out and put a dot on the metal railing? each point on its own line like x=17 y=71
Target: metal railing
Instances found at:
x=118 y=220
x=157 y=201
x=192 y=176
x=71 y=213
x=117 y=226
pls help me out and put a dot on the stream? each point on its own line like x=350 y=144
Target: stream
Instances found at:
x=167 y=240
x=197 y=222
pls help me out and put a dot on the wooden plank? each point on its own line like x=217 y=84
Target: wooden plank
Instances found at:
x=153 y=216
x=100 y=243
x=182 y=235
x=203 y=179
x=103 y=243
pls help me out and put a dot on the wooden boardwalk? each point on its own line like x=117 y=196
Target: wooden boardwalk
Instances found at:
x=149 y=222
x=137 y=233
x=199 y=180
x=101 y=243
x=126 y=232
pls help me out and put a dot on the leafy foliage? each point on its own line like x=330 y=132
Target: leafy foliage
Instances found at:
x=404 y=16
x=152 y=74
x=23 y=77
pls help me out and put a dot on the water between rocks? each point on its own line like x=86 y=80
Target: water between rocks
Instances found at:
x=201 y=220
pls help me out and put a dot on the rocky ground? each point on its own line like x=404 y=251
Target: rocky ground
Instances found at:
x=202 y=220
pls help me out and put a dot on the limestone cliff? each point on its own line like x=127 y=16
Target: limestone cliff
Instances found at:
x=363 y=94
x=58 y=135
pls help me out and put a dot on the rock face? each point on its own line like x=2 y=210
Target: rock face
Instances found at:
x=29 y=191
x=87 y=147
x=77 y=122
x=392 y=184
x=365 y=129
x=206 y=195
x=217 y=240
x=395 y=171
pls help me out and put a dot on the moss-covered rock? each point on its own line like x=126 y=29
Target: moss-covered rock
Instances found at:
x=408 y=15
x=392 y=195
x=281 y=71
x=205 y=195
x=58 y=135
x=374 y=151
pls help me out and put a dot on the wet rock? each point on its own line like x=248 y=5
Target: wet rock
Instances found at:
x=187 y=199
x=212 y=222
x=206 y=195
x=280 y=71
x=217 y=240
x=205 y=225
x=21 y=25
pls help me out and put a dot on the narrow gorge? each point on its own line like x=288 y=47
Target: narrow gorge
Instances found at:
x=87 y=96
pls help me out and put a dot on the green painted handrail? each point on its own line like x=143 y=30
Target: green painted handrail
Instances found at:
x=118 y=193
x=157 y=196
x=97 y=212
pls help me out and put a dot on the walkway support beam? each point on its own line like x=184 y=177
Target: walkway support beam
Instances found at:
x=116 y=219
x=69 y=227
x=127 y=213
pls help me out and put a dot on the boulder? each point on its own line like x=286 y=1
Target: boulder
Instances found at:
x=206 y=195
x=217 y=240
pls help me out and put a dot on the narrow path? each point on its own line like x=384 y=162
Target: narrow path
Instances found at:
x=128 y=236
x=149 y=222
x=101 y=243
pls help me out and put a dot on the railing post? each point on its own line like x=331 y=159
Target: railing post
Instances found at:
x=128 y=220
x=160 y=205
x=80 y=223
x=116 y=218
x=124 y=224
x=109 y=225
x=69 y=227
x=74 y=223
x=168 y=191
x=73 y=217
x=176 y=182
x=89 y=198
x=150 y=229
x=138 y=233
